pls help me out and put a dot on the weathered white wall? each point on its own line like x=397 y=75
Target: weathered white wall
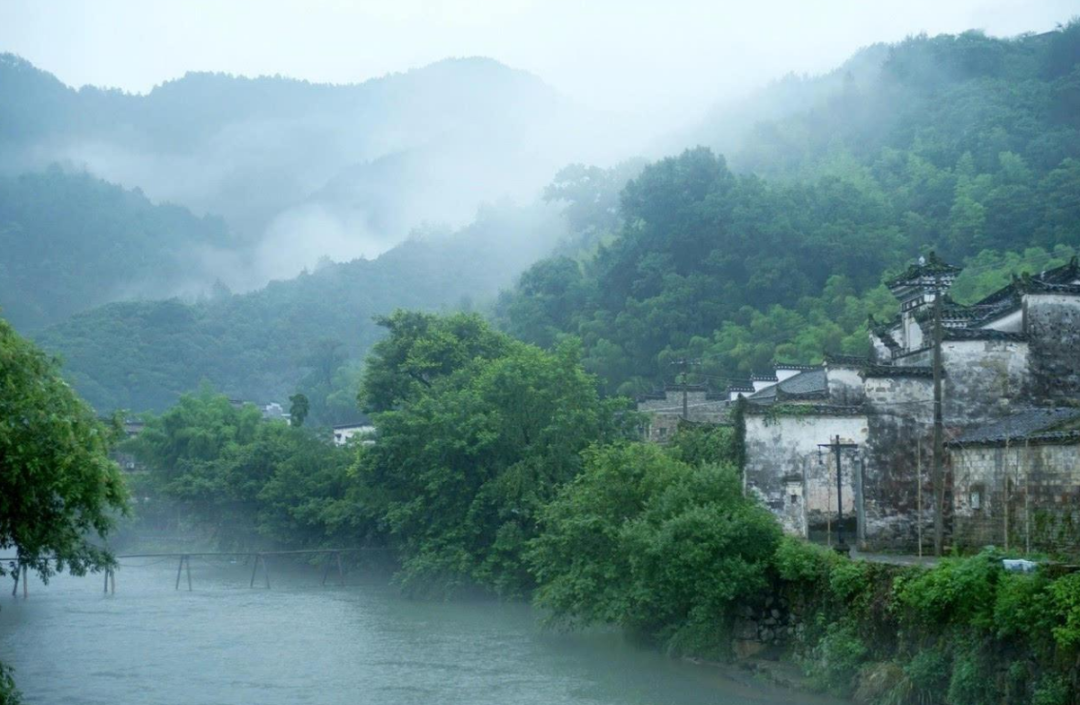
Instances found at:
x=785 y=470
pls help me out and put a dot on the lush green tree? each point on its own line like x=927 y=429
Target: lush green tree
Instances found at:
x=248 y=482
x=661 y=547
x=475 y=433
x=299 y=406
x=58 y=487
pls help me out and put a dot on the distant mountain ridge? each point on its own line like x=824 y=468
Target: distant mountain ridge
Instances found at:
x=300 y=170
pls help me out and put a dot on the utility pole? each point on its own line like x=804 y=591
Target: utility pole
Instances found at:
x=683 y=364
x=939 y=427
x=836 y=447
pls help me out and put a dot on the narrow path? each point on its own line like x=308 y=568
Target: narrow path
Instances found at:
x=894 y=559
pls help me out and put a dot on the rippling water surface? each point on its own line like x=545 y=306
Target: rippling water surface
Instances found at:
x=225 y=643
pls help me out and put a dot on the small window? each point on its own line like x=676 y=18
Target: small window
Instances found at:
x=794 y=499
x=663 y=431
x=976 y=499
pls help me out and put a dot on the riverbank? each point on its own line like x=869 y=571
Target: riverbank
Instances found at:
x=961 y=632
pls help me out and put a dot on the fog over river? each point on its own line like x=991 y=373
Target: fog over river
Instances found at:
x=225 y=643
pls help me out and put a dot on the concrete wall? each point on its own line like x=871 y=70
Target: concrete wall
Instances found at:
x=791 y=475
x=1042 y=499
x=1052 y=323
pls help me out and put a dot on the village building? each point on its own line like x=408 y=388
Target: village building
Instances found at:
x=1011 y=358
x=680 y=403
x=363 y=430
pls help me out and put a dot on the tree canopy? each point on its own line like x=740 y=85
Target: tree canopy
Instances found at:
x=58 y=488
x=476 y=431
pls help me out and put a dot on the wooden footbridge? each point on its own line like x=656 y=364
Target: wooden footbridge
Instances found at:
x=258 y=558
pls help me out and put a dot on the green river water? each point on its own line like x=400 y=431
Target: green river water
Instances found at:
x=225 y=643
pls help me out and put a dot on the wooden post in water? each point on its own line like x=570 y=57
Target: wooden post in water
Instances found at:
x=340 y=570
x=25 y=579
x=326 y=573
x=112 y=581
x=266 y=572
x=254 y=569
x=106 y=590
x=187 y=560
x=179 y=567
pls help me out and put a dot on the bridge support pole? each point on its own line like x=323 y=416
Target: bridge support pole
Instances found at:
x=340 y=570
x=25 y=579
x=187 y=560
x=254 y=569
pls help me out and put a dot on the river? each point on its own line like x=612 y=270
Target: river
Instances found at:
x=225 y=643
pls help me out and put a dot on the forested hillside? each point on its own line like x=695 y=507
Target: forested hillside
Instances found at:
x=305 y=333
x=69 y=242
x=967 y=144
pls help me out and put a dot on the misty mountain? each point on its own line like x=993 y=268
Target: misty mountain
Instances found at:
x=301 y=170
x=262 y=345
x=70 y=241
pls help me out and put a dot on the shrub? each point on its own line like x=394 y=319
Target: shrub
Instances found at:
x=9 y=694
x=1065 y=595
x=1023 y=609
x=799 y=561
x=850 y=581
x=956 y=591
x=836 y=659
x=972 y=681
x=928 y=673
x=1051 y=690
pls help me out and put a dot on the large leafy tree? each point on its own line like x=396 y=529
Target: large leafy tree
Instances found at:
x=476 y=431
x=658 y=546
x=58 y=487
x=248 y=481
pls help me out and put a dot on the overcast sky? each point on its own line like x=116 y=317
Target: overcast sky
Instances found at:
x=617 y=54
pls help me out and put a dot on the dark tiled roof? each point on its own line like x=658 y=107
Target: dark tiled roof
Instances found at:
x=930 y=267
x=897 y=371
x=809 y=409
x=801 y=368
x=689 y=388
x=764 y=377
x=847 y=360
x=1022 y=425
x=805 y=385
x=980 y=334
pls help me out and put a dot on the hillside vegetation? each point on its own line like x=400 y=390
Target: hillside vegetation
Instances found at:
x=968 y=145
x=304 y=333
x=70 y=241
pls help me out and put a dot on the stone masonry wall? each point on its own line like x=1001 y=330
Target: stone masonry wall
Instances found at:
x=1036 y=486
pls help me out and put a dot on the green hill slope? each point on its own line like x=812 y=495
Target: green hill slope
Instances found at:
x=302 y=332
x=966 y=144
